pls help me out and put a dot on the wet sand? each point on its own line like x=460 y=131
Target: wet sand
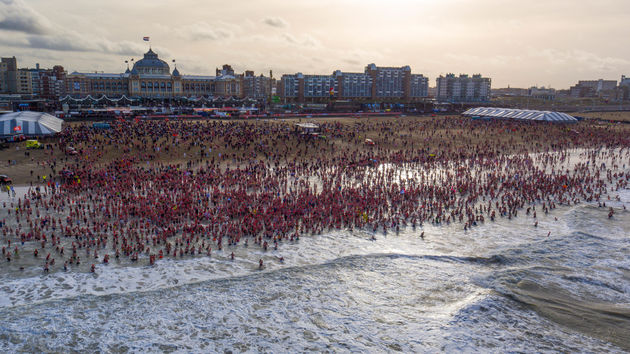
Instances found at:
x=611 y=116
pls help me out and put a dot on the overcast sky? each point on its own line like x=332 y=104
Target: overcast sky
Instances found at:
x=516 y=43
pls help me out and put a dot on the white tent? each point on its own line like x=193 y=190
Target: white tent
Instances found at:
x=29 y=123
x=520 y=114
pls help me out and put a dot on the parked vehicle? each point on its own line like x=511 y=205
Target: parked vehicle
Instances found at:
x=34 y=144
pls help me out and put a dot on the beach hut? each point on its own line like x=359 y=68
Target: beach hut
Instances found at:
x=308 y=128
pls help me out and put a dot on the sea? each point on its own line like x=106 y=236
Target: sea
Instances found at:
x=563 y=286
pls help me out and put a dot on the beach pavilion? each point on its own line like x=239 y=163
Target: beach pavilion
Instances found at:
x=520 y=114
x=29 y=124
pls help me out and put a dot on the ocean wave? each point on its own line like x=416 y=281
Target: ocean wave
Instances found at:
x=169 y=274
x=600 y=319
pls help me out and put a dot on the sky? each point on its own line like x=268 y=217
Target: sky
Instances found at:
x=516 y=43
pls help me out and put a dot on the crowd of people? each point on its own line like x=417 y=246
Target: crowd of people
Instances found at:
x=143 y=191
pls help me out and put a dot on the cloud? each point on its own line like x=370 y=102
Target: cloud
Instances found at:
x=357 y=57
x=582 y=61
x=305 y=41
x=38 y=33
x=17 y=16
x=203 y=31
x=74 y=42
x=65 y=42
x=290 y=38
x=128 y=48
x=275 y=22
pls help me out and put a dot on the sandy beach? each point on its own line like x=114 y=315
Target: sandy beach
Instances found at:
x=342 y=135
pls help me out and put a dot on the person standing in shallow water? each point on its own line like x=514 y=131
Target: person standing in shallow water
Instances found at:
x=272 y=199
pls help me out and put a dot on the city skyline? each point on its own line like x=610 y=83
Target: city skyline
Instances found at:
x=520 y=45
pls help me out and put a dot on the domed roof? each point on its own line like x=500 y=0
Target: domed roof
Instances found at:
x=175 y=72
x=151 y=64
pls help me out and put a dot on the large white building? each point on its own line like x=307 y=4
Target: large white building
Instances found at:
x=463 y=88
x=353 y=85
x=151 y=77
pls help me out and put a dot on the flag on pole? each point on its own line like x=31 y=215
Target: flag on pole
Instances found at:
x=146 y=39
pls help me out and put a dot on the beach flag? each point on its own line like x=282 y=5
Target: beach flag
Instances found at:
x=146 y=39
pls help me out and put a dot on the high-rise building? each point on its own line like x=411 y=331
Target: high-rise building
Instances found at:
x=463 y=88
x=48 y=83
x=419 y=86
x=375 y=83
x=592 y=88
x=3 y=77
x=301 y=88
x=389 y=82
x=353 y=85
x=8 y=75
x=290 y=86
x=256 y=87
x=24 y=82
x=35 y=79
x=319 y=86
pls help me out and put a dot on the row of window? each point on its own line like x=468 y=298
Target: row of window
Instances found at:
x=290 y=87
x=363 y=90
x=157 y=89
x=350 y=89
x=151 y=85
x=198 y=87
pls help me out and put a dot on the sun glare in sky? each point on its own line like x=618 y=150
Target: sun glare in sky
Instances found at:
x=516 y=43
